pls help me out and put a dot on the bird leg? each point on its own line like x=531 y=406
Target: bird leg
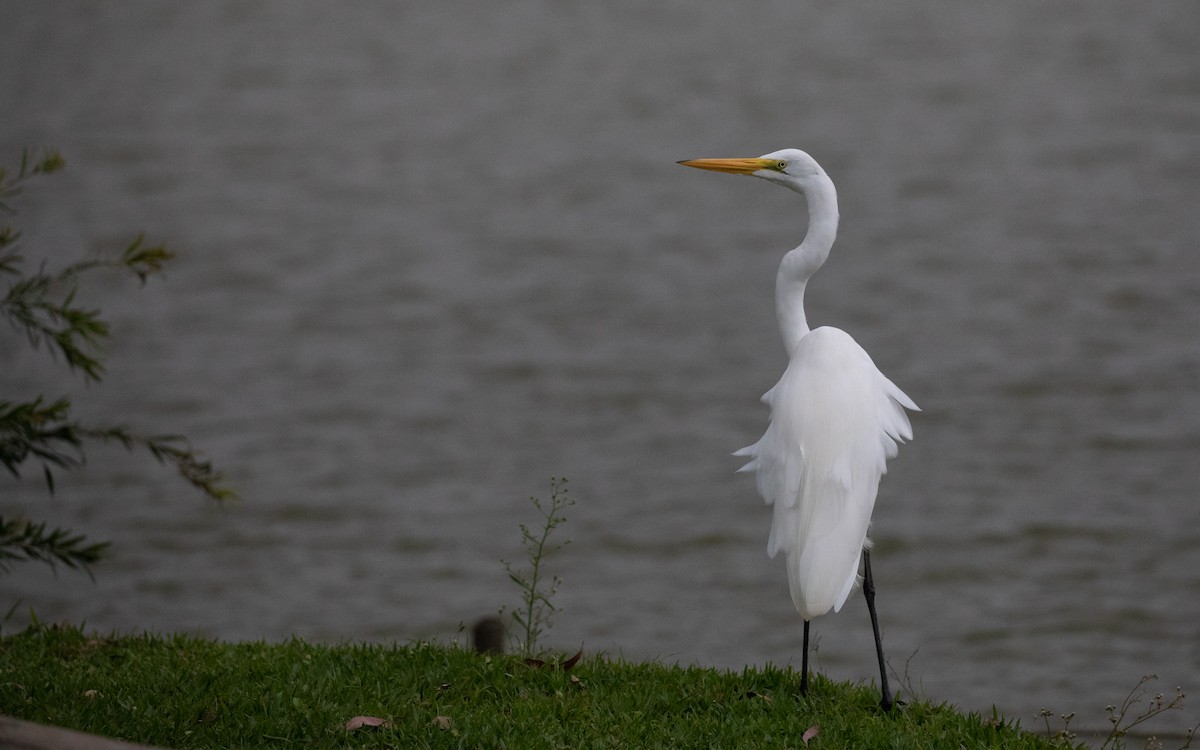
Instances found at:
x=885 y=701
x=804 y=668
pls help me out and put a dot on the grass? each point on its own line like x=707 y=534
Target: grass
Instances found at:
x=184 y=692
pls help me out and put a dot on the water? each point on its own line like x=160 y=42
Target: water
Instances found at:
x=431 y=256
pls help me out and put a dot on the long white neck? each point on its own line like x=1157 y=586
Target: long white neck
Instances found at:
x=800 y=264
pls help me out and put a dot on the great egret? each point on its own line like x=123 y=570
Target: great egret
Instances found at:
x=835 y=420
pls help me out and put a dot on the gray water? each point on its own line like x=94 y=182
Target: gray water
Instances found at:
x=433 y=254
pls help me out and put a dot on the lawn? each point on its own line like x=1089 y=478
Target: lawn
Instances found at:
x=184 y=692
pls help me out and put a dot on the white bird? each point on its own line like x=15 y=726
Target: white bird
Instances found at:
x=835 y=420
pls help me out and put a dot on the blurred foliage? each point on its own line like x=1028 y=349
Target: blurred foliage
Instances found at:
x=42 y=306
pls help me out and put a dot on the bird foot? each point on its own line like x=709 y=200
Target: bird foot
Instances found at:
x=887 y=705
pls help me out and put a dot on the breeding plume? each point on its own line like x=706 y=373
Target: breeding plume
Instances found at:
x=835 y=421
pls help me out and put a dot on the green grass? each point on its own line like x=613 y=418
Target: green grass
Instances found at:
x=183 y=692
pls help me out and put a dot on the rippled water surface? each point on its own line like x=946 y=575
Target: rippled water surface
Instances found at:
x=432 y=255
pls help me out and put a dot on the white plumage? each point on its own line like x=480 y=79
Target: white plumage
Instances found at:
x=835 y=419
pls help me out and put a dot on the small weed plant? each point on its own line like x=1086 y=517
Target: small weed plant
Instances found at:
x=1122 y=719
x=533 y=616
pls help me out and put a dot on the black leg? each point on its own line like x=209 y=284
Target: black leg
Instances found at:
x=804 y=669
x=869 y=592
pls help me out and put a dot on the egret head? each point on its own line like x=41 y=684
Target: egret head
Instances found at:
x=789 y=167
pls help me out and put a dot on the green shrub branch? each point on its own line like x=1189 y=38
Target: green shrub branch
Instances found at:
x=43 y=307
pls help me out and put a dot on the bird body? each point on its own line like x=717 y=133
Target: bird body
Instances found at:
x=835 y=419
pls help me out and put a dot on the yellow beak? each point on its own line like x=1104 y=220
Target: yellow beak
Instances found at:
x=732 y=166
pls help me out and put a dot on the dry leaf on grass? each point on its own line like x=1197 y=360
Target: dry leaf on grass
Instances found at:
x=811 y=732
x=566 y=665
x=563 y=665
x=371 y=722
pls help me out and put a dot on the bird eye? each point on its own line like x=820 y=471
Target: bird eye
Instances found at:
x=781 y=166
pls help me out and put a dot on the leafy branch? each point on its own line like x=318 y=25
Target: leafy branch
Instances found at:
x=22 y=540
x=37 y=430
x=175 y=450
x=43 y=431
x=536 y=610
x=43 y=307
x=32 y=164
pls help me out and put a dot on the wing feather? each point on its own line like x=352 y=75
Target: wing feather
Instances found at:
x=835 y=420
